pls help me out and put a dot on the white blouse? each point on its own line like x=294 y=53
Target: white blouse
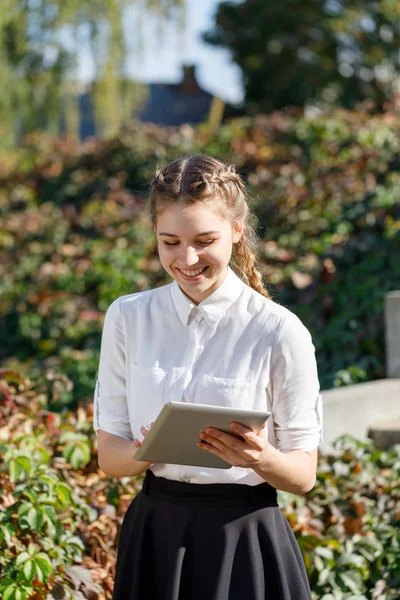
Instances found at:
x=235 y=348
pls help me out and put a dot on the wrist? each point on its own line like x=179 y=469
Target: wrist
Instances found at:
x=267 y=460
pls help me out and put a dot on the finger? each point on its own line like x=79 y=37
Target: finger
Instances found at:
x=240 y=429
x=224 y=442
x=137 y=443
x=250 y=437
x=213 y=450
x=232 y=441
x=262 y=427
x=230 y=456
x=144 y=430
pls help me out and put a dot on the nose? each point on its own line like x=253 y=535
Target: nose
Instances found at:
x=189 y=257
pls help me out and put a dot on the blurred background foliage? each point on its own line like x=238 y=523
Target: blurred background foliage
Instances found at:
x=60 y=515
x=75 y=234
x=324 y=51
x=39 y=45
x=321 y=53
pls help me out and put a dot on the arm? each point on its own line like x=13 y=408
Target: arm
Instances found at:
x=293 y=472
x=116 y=446
x=116 y=456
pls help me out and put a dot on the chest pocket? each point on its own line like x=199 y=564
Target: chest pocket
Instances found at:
x=221 y=391
x=146 y=393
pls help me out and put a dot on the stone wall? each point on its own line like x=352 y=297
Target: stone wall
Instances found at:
x=370 y=409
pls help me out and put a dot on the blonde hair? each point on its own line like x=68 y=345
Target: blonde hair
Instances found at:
x=203 y=179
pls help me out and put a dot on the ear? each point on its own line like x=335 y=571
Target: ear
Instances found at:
x=238 y=229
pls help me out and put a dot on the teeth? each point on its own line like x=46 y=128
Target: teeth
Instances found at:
x=192 y=273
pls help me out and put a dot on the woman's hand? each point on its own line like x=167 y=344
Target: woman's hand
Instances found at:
x=248 y=452
x=144 y=430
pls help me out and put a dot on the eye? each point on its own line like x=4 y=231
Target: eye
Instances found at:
x=201 y=243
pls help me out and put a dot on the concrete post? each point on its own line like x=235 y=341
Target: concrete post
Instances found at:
x=392 y=333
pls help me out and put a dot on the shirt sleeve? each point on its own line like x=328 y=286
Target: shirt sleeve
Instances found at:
x=110 y=398
x=294 y=388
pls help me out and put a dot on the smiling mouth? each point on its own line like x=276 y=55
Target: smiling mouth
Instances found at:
x=195 y=273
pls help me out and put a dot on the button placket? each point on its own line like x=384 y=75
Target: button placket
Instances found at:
x=198 y=330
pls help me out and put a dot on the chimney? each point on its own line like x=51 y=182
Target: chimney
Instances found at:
x=189 y=83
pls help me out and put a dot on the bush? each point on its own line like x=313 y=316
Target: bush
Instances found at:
x=60 y=516
x=74 y=235
x=348 y=525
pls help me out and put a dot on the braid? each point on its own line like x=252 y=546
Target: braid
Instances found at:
x=244 y=261
x=225 y=175
x=207 y=182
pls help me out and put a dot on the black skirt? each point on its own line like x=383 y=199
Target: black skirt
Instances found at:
x=189 y=541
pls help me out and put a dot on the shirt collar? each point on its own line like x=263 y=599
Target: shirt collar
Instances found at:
x=213 y=307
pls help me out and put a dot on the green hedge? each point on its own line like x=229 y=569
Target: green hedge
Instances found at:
x=60 y=516
x=74 y=235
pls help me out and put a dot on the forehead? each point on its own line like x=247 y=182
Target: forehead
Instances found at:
x=190 y=218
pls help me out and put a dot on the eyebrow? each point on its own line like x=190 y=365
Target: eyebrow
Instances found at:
x=197 y=235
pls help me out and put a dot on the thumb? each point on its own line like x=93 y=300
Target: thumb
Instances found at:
x=262 y=428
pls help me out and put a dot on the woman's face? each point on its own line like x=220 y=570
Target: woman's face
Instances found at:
x=195 y=247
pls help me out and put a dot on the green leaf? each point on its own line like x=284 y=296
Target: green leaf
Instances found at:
x=350 y=583
x=50 y=517
x=64 y=493
x=44 y=562
x=24 y=508
x=39 y=573
x=324 y=576
x=50 y=480
x=5 y=582
x=318 y=562
x=26 y=463
x=15 y=470
x=44 y=455
x=35 y=519
x=77 y=457
x=33 y=548
x=75 y=541
x=21 y=558
x=9 y=593
x=50 y=513
x=85 y=447
x=31 y=494
x=324 y=552
x=68 y=451
x=6 y=532
x=351 y=559
x=29 y=569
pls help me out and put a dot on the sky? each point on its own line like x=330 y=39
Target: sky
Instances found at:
x=162 y=62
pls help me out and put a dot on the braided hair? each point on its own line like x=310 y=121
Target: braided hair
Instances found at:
x=202 y=179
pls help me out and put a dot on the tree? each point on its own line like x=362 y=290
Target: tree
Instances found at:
x=294 y=51
x=39 y=43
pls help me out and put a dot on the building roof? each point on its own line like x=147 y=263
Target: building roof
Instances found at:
x=174 y=104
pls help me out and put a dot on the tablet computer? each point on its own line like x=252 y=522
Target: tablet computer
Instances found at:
x=175 y=433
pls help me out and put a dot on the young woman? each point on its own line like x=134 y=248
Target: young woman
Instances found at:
x=212 y=336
